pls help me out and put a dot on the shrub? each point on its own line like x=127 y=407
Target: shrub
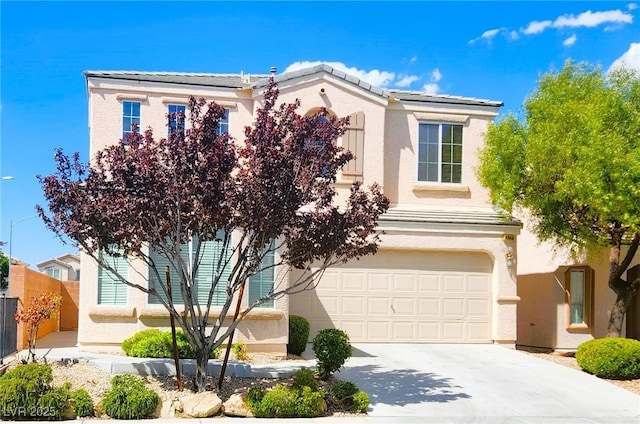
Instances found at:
x=360 y=401
x=332 y=349
x=137 y=344
x=298 y=334
x=129 y=398
x=82 y=403
x=305 y=378
x=239 y=351
x=26 y=393
x=614 y=358
x=285 y=402
x=344 y=390
x=154 y=343
x=55 y=404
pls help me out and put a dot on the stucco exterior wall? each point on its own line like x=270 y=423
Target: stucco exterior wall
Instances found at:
x=542 y=313
x=390 y=149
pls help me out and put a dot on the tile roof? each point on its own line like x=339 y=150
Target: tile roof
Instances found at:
x=260 y=81
x=208 y=80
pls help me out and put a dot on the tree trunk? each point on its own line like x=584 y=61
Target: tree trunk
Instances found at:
x=616 y=319
x=202 y=361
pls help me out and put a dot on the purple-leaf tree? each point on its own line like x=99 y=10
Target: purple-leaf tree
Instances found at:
x=176 y=199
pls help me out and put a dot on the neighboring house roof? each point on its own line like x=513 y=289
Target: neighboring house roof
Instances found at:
x=61 y=260
x=244 y=81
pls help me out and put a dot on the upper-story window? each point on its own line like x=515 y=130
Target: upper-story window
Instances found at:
x=224 y=122
x=440 y=153
x=175 y=116
x=130 y=116
x=52 y=272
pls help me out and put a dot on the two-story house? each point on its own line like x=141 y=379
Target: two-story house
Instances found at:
x=445 y=271
x=65 y=267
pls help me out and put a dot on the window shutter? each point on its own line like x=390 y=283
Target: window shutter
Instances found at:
x=161 y=261
x=112 y=291
x=211 y=251
x=261 y=284
x=353 y=140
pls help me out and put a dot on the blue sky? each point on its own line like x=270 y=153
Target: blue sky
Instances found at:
x=492 y=50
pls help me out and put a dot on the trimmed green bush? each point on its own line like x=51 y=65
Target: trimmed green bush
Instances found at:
x=360 y=401
x=332 y=349
x=154 y=343
x=614 y=358
x=305 y=377
x=82 y=403
x=26 y=394
x=129 y=398
x=298 y=334
x=285 y=402
x=344 y=390
x=240 y=351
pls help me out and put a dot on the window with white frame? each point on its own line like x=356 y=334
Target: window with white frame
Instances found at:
x=130 y=117
x=224 y=122
x=578 y=290
x=175 y=116
x=439 y=153
x=112 y=291
x=52 y=272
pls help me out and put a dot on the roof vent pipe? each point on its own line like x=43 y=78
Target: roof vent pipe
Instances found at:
x=273 y=70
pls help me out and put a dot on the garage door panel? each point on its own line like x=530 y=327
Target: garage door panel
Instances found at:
x=378 y=331
x=429 y=283
x=477 y=331
x=453 y=331
x=478 y=308
x=354 y=328
x=353 y=305
x=378 y=282
x=453 y=283
x=429 y=307
x=378 y=306
x=404 y=283
x=403 y=306
x=478 y=284
x=403 y=330
x=327 y=305
x=453 y=308
x=428 y=331
x=406 y=296
x=353 y=281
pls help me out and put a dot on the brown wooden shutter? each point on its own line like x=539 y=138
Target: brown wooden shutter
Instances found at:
x=353 y=140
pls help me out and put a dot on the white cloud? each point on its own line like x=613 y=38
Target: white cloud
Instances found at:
x=487 y=35
x=431 y=88
x=406 y=80
x=414 y=59
x=632 y=6
x=630 y=59
x=536 y=27
x=592 y=19
x=373 y=77
x=513 y=35
x=570 y=41
x=436 y=75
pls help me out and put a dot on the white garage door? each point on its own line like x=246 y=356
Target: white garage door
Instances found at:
x=404 y=296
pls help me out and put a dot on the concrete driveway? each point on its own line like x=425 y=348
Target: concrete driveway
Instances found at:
x=481 y=383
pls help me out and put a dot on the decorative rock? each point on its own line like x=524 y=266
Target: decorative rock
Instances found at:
x=236 y=406
x=201 y=405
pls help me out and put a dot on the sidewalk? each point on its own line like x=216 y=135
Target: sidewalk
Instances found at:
x=62 y=346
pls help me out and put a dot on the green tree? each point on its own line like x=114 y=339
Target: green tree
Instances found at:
x=572 y=163
x=4 y=271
